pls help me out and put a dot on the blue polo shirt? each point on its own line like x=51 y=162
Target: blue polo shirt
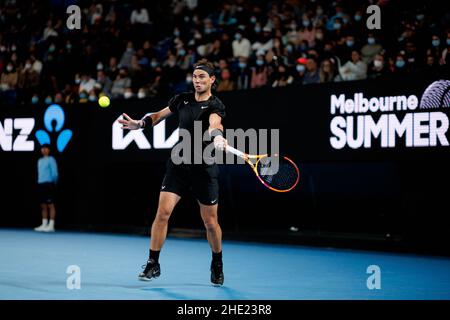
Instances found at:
x=47 y=170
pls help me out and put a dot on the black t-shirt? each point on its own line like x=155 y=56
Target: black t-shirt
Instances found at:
x=191 y=111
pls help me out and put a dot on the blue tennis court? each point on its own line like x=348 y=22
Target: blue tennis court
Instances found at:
x=33 y=266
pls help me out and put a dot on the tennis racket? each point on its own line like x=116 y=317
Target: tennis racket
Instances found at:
x=282 y=180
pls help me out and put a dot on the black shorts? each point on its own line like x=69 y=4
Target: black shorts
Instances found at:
x=46 y=192
x=202 y=181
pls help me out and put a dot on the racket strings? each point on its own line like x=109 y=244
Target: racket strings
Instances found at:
x=281 y=177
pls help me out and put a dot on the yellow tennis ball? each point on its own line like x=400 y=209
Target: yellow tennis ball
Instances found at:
x=103 y=101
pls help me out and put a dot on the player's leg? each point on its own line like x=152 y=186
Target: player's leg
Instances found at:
x=214 y=236
x=167 y=202
x=213 y=230
x=51 y=222
x=44 y=214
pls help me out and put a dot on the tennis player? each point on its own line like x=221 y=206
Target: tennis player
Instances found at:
x=200 y=179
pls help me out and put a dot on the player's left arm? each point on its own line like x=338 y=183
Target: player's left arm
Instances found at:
x=216 y=129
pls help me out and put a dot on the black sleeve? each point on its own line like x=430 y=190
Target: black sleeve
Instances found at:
x=174 y=103
x=218 y=107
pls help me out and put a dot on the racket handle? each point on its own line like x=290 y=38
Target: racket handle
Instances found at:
x=236 y=152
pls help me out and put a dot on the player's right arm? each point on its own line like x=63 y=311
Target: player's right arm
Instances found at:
x=148 y=120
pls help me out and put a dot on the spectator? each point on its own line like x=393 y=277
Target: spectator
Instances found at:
x=120 y=84
x=125 y=60
x=327 y=72
x=87 y=83
x=355 y=69
x=8 y=83
x=104 y=83
x=243 y=74
x=241 y=46
x=260 y=73
x=376 y=68
x=312 y=73
x=225 y=83
x=370 y=49
x=282 y=77
x=140 y=15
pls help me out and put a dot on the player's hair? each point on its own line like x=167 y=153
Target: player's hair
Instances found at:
x=204 y=62
x=209 y=65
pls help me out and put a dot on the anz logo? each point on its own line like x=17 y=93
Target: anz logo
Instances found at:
x=54 y=119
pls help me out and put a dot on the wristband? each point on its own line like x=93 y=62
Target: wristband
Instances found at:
x=146 y=121
x=216 y=132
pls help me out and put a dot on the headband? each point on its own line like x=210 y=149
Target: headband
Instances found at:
x=205 y=68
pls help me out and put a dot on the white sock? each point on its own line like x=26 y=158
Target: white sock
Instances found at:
x=44 y=222
x=51 y=223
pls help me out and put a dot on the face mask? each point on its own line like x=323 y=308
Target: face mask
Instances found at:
x=129 y=49
x=242 y=65
x=127 y=95
x=141 y=95
x=77 y=81
x=319 y=12
x=337 y=26
x=34 y=100
x=420 y=17
x=92 y=98
x=100 y=66
x=48 y=100
x=358 y=18
x=259 y=62
x=186 y=19
x=399 y=63
x=9 y=68
x=154 y=64
x=208 y=30
x=306 y=23
x=182 y=52
x=378 y=63
x=238 y=36
x=197 y=36
x=349 y=43
x=448 y=42
x=176 y=33
x=253 y=19
x=370 y=40
x=436 y=42
x=27 y=66
x=2 y=48
x=345 y=21
x=300 y=68
x=188 y=79
x=13 y=48
x=68 y=46
x=51 y=49
x=257 y=29
x=319 y=36
x=82 y=95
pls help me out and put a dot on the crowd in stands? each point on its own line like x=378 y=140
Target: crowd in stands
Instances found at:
x=139 y=49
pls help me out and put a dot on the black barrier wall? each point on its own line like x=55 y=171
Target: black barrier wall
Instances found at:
x=367 y=166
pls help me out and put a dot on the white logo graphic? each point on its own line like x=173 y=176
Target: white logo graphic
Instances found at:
x=214 y=201
x=120 y=140
x=357 y=123
x=204 y=107
x=20 y=142
x=185 y=102
x=163 y=187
